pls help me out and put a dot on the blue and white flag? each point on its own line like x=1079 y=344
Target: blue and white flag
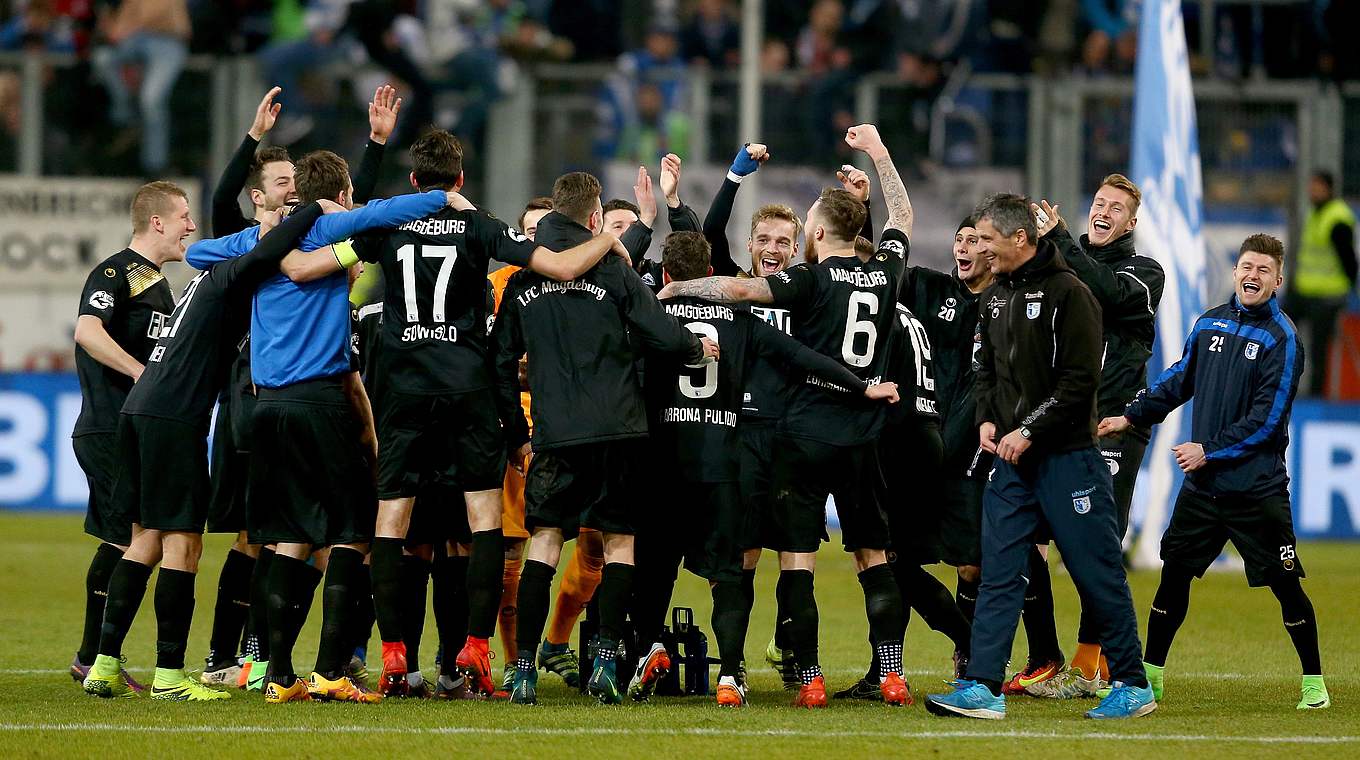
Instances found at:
x=1166 y=168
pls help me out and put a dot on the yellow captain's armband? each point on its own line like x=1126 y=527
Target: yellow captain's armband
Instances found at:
x=345 y=254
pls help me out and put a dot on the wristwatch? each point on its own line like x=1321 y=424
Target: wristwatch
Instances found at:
x=1024 y=433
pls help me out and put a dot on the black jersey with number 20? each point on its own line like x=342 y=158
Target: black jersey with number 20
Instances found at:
x=434 y=334
x=843 y=308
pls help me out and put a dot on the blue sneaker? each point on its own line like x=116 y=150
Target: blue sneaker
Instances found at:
x=1124 y=701
x=969 y=700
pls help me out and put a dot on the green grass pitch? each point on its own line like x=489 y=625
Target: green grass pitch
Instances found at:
x=1232 y=684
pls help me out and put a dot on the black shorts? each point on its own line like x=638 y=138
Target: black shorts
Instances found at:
x=230 y=470
x=698 y=522
x=162 y=473
x=805 y=472
x=910 y=454
x=1124 y=455
x=757 y=462
x=310 y=479
x=1261 y=527
x=97 y=454
x=593 y=485
x=439 y=515
x=421 y=438
x=961 y=520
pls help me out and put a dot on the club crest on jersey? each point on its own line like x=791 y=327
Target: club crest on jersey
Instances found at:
x=1082 y=504
x=648 y=279
x=1251 y=349
x=1032 y=309
x=892 y=246
x=101 y=299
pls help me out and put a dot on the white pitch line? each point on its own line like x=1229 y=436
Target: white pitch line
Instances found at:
x=696 y=732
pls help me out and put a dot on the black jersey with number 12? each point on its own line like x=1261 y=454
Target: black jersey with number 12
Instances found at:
x=434 y=334
x=843 y=308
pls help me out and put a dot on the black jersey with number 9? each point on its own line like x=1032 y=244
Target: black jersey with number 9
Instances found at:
x=434 y=334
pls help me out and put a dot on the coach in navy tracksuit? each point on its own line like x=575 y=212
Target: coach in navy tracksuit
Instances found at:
x=1247 y=357
x=1037 y=361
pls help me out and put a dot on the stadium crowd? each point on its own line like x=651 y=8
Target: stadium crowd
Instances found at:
x=131 y=57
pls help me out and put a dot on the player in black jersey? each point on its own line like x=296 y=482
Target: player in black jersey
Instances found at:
x=267 y=176
x=912 y=452
x=693 y=415
x=844 y=308
x=162 y=484
x=588 y=417
x=438 y=416
x=123 y=306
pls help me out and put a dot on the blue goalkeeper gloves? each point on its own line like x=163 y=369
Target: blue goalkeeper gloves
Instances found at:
x=743 y=164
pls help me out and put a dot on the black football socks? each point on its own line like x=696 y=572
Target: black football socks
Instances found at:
x=415 y=583
x=535 y=583
x=887 y=620
x=965 y=596
x=127 y=587
x=257 y=622
x=449 y=576
x=174 y=601
x=616 y=587
x=799 y=605
x=731 y=616
x=1168 y=612
x=932 y=600
x=1300 y=623
x=1040 y=628
x=386 y=574
x=485 y=568
x=231 y=610
x=291 y=585
x=96 y=593
x=337 y=611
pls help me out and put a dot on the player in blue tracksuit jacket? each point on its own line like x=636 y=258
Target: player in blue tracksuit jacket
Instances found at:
x=1247 y=359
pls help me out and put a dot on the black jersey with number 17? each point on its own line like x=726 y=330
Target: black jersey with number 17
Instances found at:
x=434 y=325
x=843 y=308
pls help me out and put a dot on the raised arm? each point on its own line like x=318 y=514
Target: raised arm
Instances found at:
x=382 y=119
x=226 y=207
x=856 y=182
x=865 y=138
x=1129 y=292
x=681 y=217
x=747 y=161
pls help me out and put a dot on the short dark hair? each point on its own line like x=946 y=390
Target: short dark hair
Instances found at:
x=1268 y=245
x=619 y=204
x=437 y=160
x=686 y=255
x=1325 y=177
x=263 y=157
x=541 y=203
x=320 y=175
x=1009 y=212
x=968 y=221
x=575 y=194
x=153 y=199
x=841 y=213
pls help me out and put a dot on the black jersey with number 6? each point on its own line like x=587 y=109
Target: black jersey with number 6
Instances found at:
x=434 y=326
x=193 y=358
x=694 y=408
x=843 y=308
